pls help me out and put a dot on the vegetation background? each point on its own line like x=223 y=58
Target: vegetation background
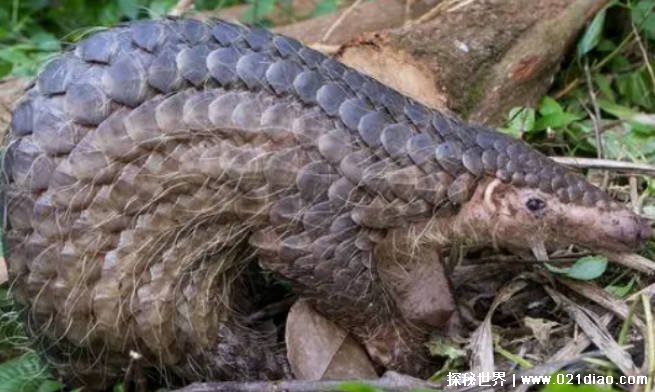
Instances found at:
x=618 y=49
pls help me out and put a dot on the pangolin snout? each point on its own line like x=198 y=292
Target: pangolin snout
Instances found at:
x=645 y=231
x=632 y=230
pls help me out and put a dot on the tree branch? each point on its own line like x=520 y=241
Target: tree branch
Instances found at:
x=592 y=163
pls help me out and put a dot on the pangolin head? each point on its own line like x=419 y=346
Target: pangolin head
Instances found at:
x=546 y=207
x=529 y=217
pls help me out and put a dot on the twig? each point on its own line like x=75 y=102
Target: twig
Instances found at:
x=429 y=15
x=572 y=349
x=649 y=342
x=567 y=89
x=632 y=260
x=595 y=119
x=271 y=310
x=603 y=298
x=644 y=53
x=407 y=11
x=539 y=370
x=437 y=9
x=181 y=7
x=610 y=125
x=329 y=50
x=340 y=20
x=593 y=163
x=634 y=193
x=640 y=201
x=596 y=332
x=391 y=381
x=576 y=81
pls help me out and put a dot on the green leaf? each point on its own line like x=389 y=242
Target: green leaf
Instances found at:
x=439 y=347
x=50 y=386
x=46 y=41
x=110 y=14
x=635 y=88
x=585 y=268
x=324 y=7
x=25 y=373
x=129 y=8
x=619 y=63
x=605 y=45
x=626 y=113
x=37 y=5
x=258 y=10
x=549 y=106
x=555 y=120
x=555 y=386
x=627 y=144
x=605 y=86
x=621 y=291
x=644 y=18
x=202 y=5
x=592 y=34
x=5 y=68
x=588 y=268
x=13 y=55
x=356 y=387
x=159 y=8
x=517 y=359
x=521 y=120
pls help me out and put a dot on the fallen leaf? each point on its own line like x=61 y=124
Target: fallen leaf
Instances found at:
x=540 y=328
x=481 y=343
x=318 y=349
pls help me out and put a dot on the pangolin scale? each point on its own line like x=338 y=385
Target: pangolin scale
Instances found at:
x=147 y=164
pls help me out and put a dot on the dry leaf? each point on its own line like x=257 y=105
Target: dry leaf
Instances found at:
x=540 y=328
x=318 y=349
x=603 y=298
x=482 y=358
x=597 y=333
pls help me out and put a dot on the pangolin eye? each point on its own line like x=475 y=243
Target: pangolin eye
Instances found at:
x=535 y=204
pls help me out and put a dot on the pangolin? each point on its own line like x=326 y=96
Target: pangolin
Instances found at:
x=150 y=164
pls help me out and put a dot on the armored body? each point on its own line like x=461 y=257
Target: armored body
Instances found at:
x=147 y=167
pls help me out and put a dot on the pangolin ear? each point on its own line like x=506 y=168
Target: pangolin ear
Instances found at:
x=494 y=192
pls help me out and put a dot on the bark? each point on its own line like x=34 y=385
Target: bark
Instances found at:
x=477 y=58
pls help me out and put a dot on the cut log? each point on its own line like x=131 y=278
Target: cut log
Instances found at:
x=477 y=58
